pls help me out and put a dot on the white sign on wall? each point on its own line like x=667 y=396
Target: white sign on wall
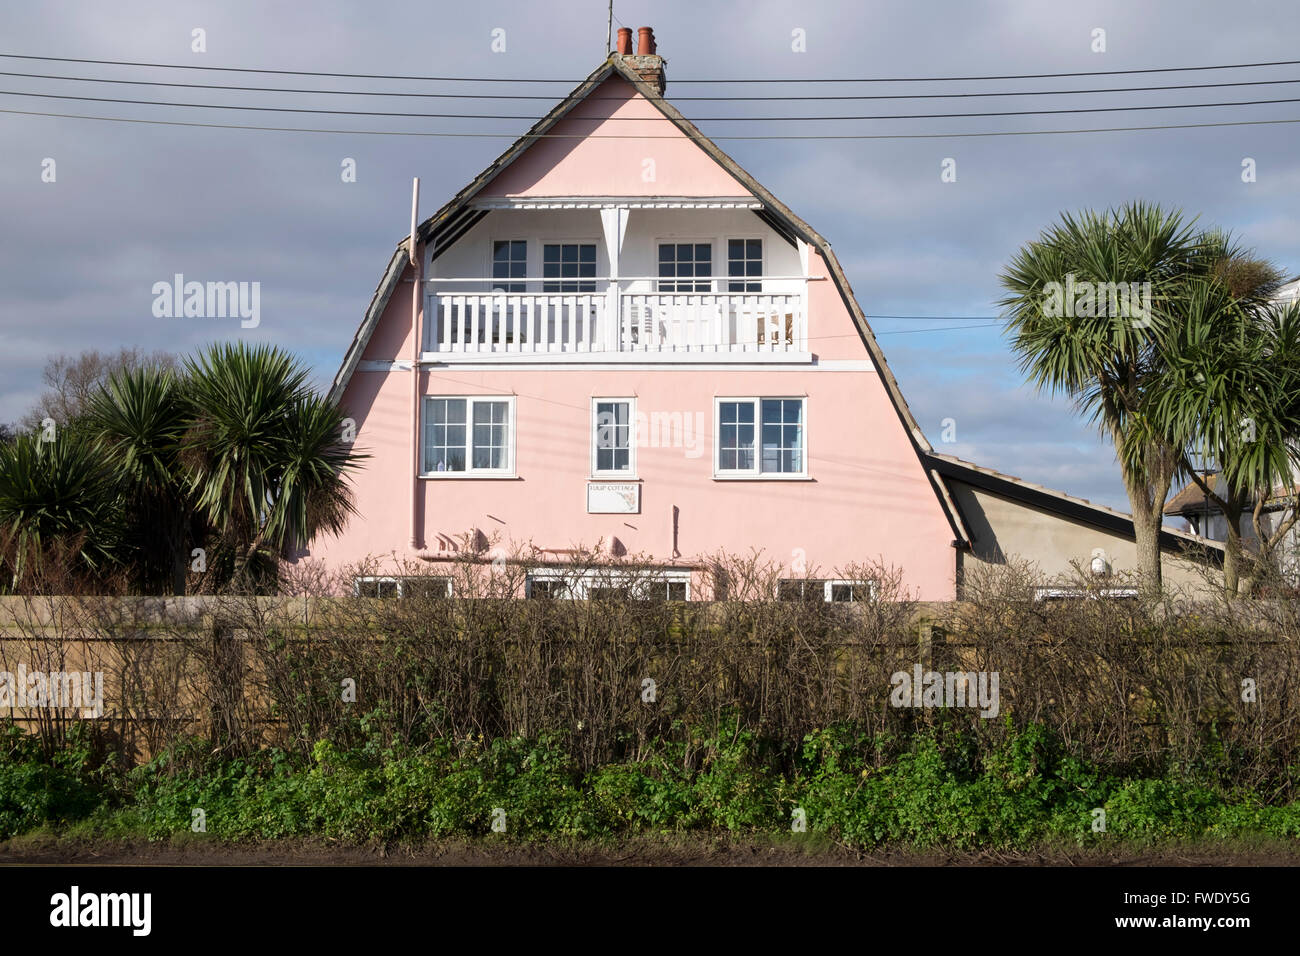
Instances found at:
x=613 y=498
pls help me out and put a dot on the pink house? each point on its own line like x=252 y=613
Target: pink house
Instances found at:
x=618 y=336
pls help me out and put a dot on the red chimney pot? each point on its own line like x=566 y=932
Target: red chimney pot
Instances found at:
x=624 y=46
x=645 y=41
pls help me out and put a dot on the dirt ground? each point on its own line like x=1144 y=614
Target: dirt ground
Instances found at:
x=652 y=851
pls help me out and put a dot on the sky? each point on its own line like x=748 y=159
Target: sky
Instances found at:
x=132 y=204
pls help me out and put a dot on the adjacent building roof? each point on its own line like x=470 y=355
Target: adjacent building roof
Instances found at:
x=1067 y=506
x=1192 y=500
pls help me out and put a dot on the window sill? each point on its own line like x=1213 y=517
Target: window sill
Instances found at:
x=463 y=476
x=763 y=478
x=628 y=479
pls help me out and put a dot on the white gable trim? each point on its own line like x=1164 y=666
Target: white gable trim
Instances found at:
x=615 y=202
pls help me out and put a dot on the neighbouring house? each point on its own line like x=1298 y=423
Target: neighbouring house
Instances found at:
x=1006 y=518
x=1209 y=523
x=616 y=337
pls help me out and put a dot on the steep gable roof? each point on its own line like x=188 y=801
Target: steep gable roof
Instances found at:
x=457 y=216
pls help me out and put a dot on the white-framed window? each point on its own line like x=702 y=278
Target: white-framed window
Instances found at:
x=685 y=266
x=380 y=586
x=659 y=584
x=801 y=589
x=832 y=591
x=613 y=437
x=744 y=265
x=839 y=591
x=760 y=437
x=468 y=436
x=509 y=262
x=1069 y=594
x=569 y=267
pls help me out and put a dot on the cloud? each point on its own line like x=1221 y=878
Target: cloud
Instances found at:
x=135 y=204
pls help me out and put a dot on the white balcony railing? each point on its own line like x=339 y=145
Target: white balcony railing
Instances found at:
x=662 y=323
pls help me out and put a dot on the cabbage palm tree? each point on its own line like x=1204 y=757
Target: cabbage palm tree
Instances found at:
x=1106 y=363
x=139 y=415
x=59 y=502
x=1232 y=394
x=1227 y=389
x=263 y=456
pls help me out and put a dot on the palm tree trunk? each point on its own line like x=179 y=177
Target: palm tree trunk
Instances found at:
x=1232 y=555
x=1146 y=539
x=1232 y=507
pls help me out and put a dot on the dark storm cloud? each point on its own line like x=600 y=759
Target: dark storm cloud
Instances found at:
x=135 y=204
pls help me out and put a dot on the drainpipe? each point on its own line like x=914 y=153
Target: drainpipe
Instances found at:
x=416 y=288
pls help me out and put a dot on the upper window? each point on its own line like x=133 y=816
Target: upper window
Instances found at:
x=613 y=438
x=685 y=267
x=509 y=261
x=744 y=265
x=569 y=267
x=760 y=437
x=468 y=436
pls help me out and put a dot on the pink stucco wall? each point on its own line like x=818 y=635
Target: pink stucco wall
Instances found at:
x=662 y=161
x=867 y=496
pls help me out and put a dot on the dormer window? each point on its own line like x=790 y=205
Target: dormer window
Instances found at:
x=509 y=261
x=685 y=267
x=744 y=265
x=569 y=267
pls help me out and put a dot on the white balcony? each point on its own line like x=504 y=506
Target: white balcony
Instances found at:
x=590 y=326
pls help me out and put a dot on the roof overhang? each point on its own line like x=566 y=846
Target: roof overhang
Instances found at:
x=615 y=202
x=1058 y=503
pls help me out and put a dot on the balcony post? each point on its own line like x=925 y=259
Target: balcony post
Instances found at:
x=799 y=334
x=613 y=222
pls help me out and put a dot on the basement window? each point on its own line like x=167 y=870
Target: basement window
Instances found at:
x=609 y=584
x=1081 y=594
x=830 y=591
x=401 y=587
x=847 y=591
x=800 y=589
x=376 y=587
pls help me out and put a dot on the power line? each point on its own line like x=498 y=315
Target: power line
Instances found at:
x=723 y=99
x=639 y=119
x=941 y=318
x=498 y=79
x=766 y=136
x=949 y=328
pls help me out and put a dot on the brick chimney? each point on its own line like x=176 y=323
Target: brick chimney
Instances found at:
x=648 y=64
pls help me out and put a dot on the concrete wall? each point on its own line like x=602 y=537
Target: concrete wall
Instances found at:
x=1004 y=529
